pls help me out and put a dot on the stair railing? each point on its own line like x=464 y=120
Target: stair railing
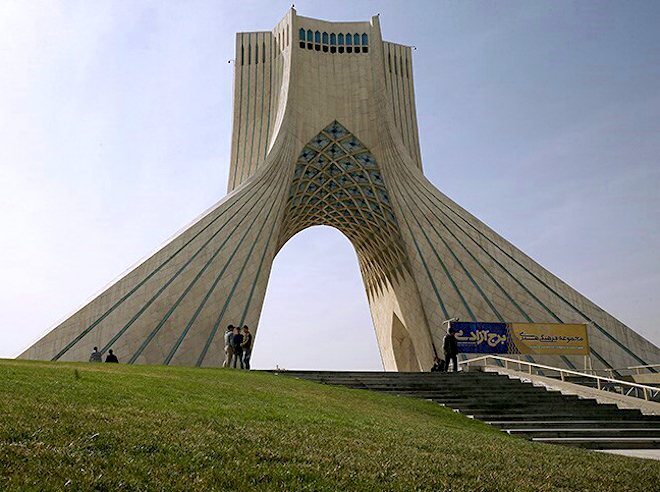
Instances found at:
x=631 y=369
x=603 y=383
x=638 y=369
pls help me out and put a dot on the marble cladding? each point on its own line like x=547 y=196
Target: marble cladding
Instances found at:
x=436 y=261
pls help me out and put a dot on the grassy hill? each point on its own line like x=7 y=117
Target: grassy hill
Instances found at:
x=115 y=427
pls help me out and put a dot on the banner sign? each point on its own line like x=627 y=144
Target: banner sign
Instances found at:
x=481 y=338
x=550 y=338
x=521 y=338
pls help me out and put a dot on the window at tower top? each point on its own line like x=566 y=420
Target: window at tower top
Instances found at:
x=332 y=42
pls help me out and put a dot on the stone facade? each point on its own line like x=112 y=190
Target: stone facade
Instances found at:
x=325 y=132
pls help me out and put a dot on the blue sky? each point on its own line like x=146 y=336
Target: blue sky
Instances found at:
x=540 y=118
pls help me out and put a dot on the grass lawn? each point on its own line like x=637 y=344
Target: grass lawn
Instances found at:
x=113 y=427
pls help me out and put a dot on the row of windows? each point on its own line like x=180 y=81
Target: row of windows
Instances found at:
x=256 y=54
x=399 y=64
x=281 y=39
x=335 y=43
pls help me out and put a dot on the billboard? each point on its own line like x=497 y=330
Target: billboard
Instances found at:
x=521 y=338
x=550 y=338
x=481 y=338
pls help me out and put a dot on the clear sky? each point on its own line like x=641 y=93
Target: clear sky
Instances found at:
x=540 y=118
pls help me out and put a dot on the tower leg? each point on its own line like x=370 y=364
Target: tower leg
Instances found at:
x=173 y=307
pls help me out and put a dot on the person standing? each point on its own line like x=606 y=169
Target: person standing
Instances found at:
x=111 y=357
x=246 y=345
x=229 y=349
x=96 y=355
x=450 y=347
x=236 y=341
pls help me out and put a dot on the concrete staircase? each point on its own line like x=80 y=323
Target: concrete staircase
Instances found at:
x=518 y=408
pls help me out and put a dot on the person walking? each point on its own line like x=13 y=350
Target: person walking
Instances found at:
x=229 y=349
x=450 y=347
x=111 y=357
x=236 y=341
x=246 y=345
x=96 y=355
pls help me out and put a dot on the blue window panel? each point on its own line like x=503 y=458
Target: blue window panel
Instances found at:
x=365 y=159
x=319 y=142
x=376 y=177
x=310 y=36
x=317 y=37
x=349 y=39
x=335 y=130
x=335 y=152
x=301 y=34
x=356 y=39
x=365 y=40
x=340 y=39
x=325 y=38
x=307 y=154
x=334 y=170
x=333 y=39
x=310 y=172
x=352 y=144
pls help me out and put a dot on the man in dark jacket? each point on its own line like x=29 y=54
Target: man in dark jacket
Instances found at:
x=111 y=357
x=450 y=347
x=236 y=341
x=246 y=345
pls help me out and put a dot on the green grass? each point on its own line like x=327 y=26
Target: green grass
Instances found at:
x=115 y=427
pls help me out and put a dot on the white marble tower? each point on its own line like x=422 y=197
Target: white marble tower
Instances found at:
x=325 y=133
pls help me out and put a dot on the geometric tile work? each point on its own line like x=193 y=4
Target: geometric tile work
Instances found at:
x=338 y=183
x=322 y=138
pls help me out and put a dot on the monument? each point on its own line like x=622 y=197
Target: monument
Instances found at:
x=325 y=133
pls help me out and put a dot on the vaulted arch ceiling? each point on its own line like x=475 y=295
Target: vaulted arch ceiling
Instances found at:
x=337 y=182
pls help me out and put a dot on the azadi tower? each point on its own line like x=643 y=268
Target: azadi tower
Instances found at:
x=325 y=133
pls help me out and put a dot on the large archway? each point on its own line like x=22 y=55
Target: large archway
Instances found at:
x=315 y=313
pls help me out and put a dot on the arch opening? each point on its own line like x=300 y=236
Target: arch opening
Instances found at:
x=315 y=314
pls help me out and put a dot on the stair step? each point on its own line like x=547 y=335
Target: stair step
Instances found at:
x=513 y=406
x=603 y=443
x=586 y=432
x=577 y=424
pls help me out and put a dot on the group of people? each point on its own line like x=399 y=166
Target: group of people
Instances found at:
x=450 y=349
x=96 y=356
x=238 y=347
